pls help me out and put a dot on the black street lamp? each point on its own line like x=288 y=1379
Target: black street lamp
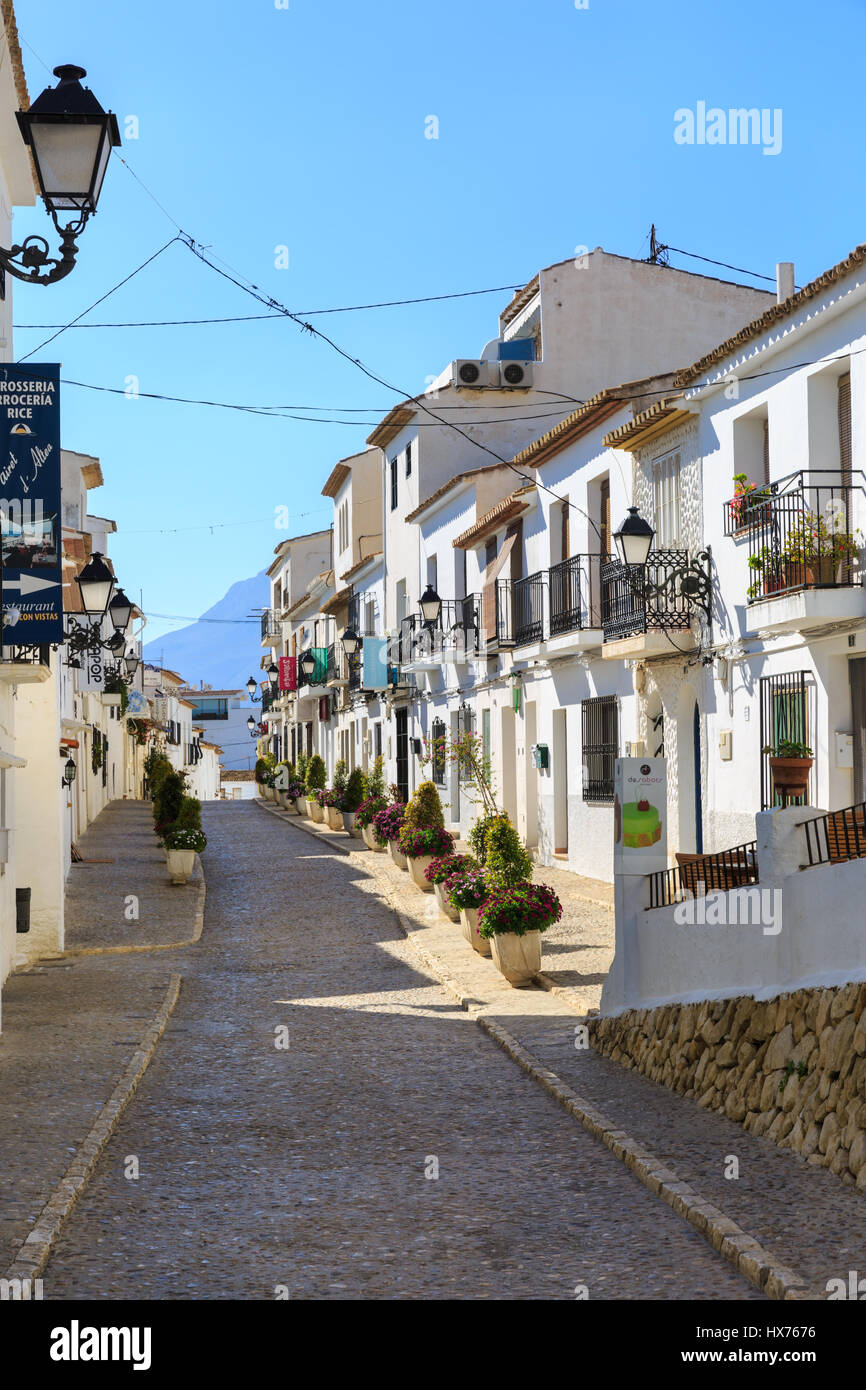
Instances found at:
x=252 y=687
x=634 y=539
x=350 y=640
x=120 y=611
x=68 y=773
x=96 y=584
x=70 y=137
x=131 y=662
x=307 y=664
x=431 y=606
x=274 y=677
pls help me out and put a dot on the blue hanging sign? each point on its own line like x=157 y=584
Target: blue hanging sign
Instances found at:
x=30 y=519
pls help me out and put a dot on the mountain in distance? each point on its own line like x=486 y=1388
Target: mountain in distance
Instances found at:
x=223 y=654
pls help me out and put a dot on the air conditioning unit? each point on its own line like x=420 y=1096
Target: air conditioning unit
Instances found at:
x=515 y=375
x=475 y=373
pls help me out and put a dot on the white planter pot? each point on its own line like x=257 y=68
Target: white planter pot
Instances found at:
x=301 y=805
x=335 y=817
x=286 y=801
x=180 y=864
x=317 y=812
x=417 y=867
x=369 y=838
x=444 y=905
x=469 y=927
x=517 y=957
x=399 y=859
x=349 y=824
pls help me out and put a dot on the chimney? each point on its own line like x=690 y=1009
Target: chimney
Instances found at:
x=784 y=280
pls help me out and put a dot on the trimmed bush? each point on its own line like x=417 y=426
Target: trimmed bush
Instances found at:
x=169 y=798
x=354 y=793
x=424 y=808
x=189 y=815
x=375 y=780
x=316 y=774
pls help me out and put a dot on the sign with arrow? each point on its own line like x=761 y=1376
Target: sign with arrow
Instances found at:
x=30 y=517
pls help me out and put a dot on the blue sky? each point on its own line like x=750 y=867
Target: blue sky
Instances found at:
x=304 y=127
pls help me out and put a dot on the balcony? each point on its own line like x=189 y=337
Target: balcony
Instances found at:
x=454 y=639
x=635 y=618
x=527 y=608
x=804 y=551
x=25 y=665
x=270 y=627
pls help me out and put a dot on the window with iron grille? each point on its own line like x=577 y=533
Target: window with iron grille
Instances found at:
x=393 y=485
x=438 y=758
x=785 y=714
x=600 y=740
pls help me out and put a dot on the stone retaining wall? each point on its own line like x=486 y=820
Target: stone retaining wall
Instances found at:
x=791 y=1068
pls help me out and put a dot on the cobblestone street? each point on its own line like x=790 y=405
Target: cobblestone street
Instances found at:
x=306 y=1166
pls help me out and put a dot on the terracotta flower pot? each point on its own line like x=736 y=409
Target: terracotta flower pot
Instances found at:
x=399 y=859
x=181 y=863
x=444 y=905
x=316 y=812
x=518 y=958
x=334 y=817
x=417 y=867
x=469 y=927
x=791 y=775
x=821 y=570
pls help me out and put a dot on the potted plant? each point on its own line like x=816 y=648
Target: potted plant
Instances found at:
x=421 y=846
x=445 y=867
x=315 y=781
x=182 y=844
x=353 y=796
x=512 y=921
x=790 y=765
x=387 y=825
x=773 y=572
x=364 y=817
x=330 y=800
x=468 y=892
x=750 y=504
x=819 y=549
x=334 y=807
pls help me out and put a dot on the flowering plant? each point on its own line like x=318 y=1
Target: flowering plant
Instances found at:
x=527 y=907
x=747 y=498
x=428 y=839
x=447 y=865
x=184 y=839
x=814 y=537
x=388 y=822
x=328 y=796
x=467 y=889
x=296 y=789
x=368 y=810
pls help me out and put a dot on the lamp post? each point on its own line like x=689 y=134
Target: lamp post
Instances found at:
x=70 y=137
x=350 y=641
x=307 y=664
x=68 y=773
x=120 y=611
x=634 y=538
x=252 y=687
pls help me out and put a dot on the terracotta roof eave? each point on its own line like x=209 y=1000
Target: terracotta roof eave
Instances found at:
x=356 y=568
x=774 y=314
x=336 y=478
x=337 y=600
x=656 y=419
x=500 y=515
x=451 y=483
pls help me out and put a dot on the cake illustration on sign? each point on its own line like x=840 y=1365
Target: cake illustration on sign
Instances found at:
x=641 y=824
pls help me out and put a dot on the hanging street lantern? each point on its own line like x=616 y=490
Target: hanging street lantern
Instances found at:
x=68 y=773
x=431 y=606
x=96 y=584
x=350 y=640
x=70 y=137
x=634 y=539
x=120 y=611
x=307 y=664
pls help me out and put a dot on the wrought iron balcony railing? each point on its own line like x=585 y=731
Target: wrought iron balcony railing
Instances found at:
x=527 y=605
x=575 y=594
x=802 y=532
x=630 y=604
x=456 y=635
x=270 y=625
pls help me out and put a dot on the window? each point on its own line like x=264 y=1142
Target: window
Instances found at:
x=210 y=707
x=666 y=501
x=409 y=459
x=490 y=552
x=432 y=571
x=485 y=738
x=393 y=485
x=377 y=739
x=844 y=414
x=565 y=530
x=784 y=714
x=438 y=758
x=600 y=738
